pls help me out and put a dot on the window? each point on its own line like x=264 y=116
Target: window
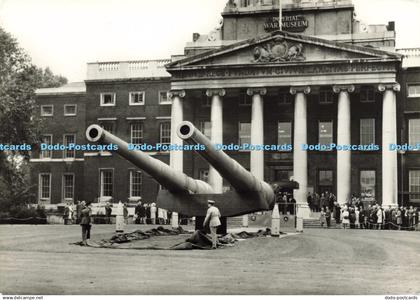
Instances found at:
x=163 y=98
x=136 y=133
x=284 y=133
x=244 y=133
x=107 y=99
x=283 y=175
x=206 y=101
x=367 y=131
x=413 y=90
x=69 y=139
x=68 y=187
x=46 y=139
x=204 y=175
x=414 y=131
x=325 y=133
x=285 y=99
x=414 y=185
x=205 y=128
x=367 y=94
x=135 y=184
x=44 y=186
x=106 y=179
x=165 y=133
x=70 y=109
x=245 y=3
x=325 y=181
x=368 y=184
x=47 y=110
x=326 y=97
x=245 y=100
x=137 y=98
x=108 y=126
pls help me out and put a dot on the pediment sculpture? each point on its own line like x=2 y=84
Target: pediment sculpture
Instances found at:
x=278 y=51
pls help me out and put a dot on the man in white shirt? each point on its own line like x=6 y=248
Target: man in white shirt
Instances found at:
x=213 y=220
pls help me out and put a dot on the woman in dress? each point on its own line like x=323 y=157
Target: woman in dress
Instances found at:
x=322 y=217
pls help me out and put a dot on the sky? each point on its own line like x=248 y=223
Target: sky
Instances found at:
x=66 y=34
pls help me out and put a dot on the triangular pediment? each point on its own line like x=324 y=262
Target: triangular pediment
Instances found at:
x=282 y=48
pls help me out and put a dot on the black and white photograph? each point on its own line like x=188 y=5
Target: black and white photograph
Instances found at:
x=209 y=147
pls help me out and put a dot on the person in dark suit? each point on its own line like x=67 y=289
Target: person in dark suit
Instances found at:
x=108 y=212
x=86 y=214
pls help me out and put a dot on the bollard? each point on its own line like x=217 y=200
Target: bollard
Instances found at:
x=174 y=220
x=119 y=218
x=245 y=221
x=299 y=224
x=275 y=221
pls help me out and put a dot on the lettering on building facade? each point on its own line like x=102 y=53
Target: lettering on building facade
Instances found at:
x=282 y=70
x=296 y=23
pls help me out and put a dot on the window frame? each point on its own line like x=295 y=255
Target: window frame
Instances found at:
x=161 y=129
x=114 y=99
x=43 y=114
x=408 y=90
x=168 y=100
x=130 y=98
x=70 y=105
x=40 y=198
x=366 y=91
x=66 y=151
x=202 y=126
x=323 y=99
x=131 y=132
x=239 y=133
x=361 y=134
x=410 y=185
x=319 y=131
x=131 y=171
x=63 y=186
x=42 y=152
x=410 y=140
x=376 y=181
x=245 y=100
x=101 y=183
x=291 y=132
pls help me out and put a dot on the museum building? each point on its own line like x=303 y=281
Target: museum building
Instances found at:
x=325 y=78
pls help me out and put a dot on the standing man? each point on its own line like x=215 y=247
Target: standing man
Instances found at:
x=86 y=214
x=213 y=220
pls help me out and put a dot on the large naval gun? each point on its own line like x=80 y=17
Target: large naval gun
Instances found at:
x=186 y=195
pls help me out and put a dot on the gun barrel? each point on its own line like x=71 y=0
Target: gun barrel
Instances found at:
x=241 y=179
x=172 y=180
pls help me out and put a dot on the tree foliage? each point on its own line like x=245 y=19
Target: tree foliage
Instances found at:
x=19 y=79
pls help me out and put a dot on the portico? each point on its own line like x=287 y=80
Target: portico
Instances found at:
x=302 y=66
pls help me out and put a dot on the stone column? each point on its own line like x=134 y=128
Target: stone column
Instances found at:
x=257 y=135
x=176 y=159
x=343 y=138
x=215 y=180
x=389 y=136
x=300 y=157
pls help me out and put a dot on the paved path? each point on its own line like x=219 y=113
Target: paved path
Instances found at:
x=40 y=260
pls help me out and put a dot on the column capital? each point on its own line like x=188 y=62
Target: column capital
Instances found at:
x=300 y=89
x=396 y=87
x=256 y=90
x=176 y=93
x=343 y=88
x=215 y=92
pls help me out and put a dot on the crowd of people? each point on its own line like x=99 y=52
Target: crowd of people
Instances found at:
x=355 y=215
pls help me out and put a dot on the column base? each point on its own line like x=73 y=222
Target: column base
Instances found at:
x=303 y=211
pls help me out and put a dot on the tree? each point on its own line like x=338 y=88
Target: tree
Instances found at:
x=19 y=79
